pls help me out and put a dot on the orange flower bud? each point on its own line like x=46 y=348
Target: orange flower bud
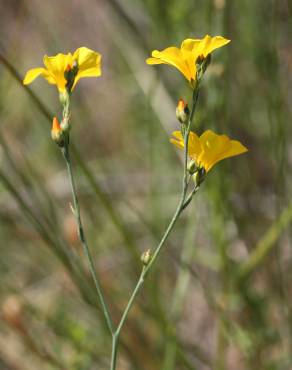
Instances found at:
x=182 y=111
x=56 y=128
x=56 y=132
x=181 y=105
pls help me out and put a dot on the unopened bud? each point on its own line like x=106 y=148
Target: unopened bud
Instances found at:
x=146 y=257
x=56 y=132
x=182 y=111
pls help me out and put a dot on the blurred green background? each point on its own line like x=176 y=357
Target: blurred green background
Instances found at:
x=220 y=295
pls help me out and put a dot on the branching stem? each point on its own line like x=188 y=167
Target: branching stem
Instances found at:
x=183 y=203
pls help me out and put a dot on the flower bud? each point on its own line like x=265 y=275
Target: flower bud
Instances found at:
x=56 y=132
x=146 y=257
x=182 y=111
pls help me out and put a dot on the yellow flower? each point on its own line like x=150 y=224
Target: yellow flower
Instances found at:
x=65 y=70
x=209 y=148
x=185 y=58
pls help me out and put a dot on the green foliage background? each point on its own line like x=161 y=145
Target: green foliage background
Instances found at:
x=220 y=295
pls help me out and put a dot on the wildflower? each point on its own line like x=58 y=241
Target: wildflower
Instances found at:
x=65 y=70
x=56 y=132
x=182 y=111
x=190 y=52
x=209 y=148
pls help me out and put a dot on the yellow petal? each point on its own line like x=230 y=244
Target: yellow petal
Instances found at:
x=190 y=44
x=217 y=147
x=177 y=140
x=56 y=66
x=89 y=63
x=209 y=44
x=174 y=57
x=213 y=146
x=152 y=61
x=235 y=148
x=195 y=147
x=228 y=149
x=205 y=46
x=190 y=63
x=32 y=74
x=177 y=135
x=211 y=141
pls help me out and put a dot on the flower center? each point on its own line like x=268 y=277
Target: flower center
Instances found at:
x=70 y=75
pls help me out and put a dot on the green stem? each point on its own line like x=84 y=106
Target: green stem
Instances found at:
x=145 y=270
x=190 y=196
x=179 y=292
x=130 y=303
x=65 y=151
x=114 y=351
x=181 y=206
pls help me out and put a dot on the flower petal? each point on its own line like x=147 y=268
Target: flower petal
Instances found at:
x=209 y=44
x=194 y=143
x=177 y=140
x=190 y=44
x=152 y=61
x=235 y=148
x=218 y=147
x=174 y=57
x=56 y=66
x=195 y=147
x=213 y=146
x=203 y=47
x=89 y=63
x=32 y=74
x=87 y=59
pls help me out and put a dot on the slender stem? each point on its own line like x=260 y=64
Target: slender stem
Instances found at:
x=141 y=281
x=190 y=196
x=131 y=300
x=181 y=206
x=179 y=292
x=115 y=339
x=65 y=151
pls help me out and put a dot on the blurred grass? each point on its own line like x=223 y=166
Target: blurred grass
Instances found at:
x=129 y=179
